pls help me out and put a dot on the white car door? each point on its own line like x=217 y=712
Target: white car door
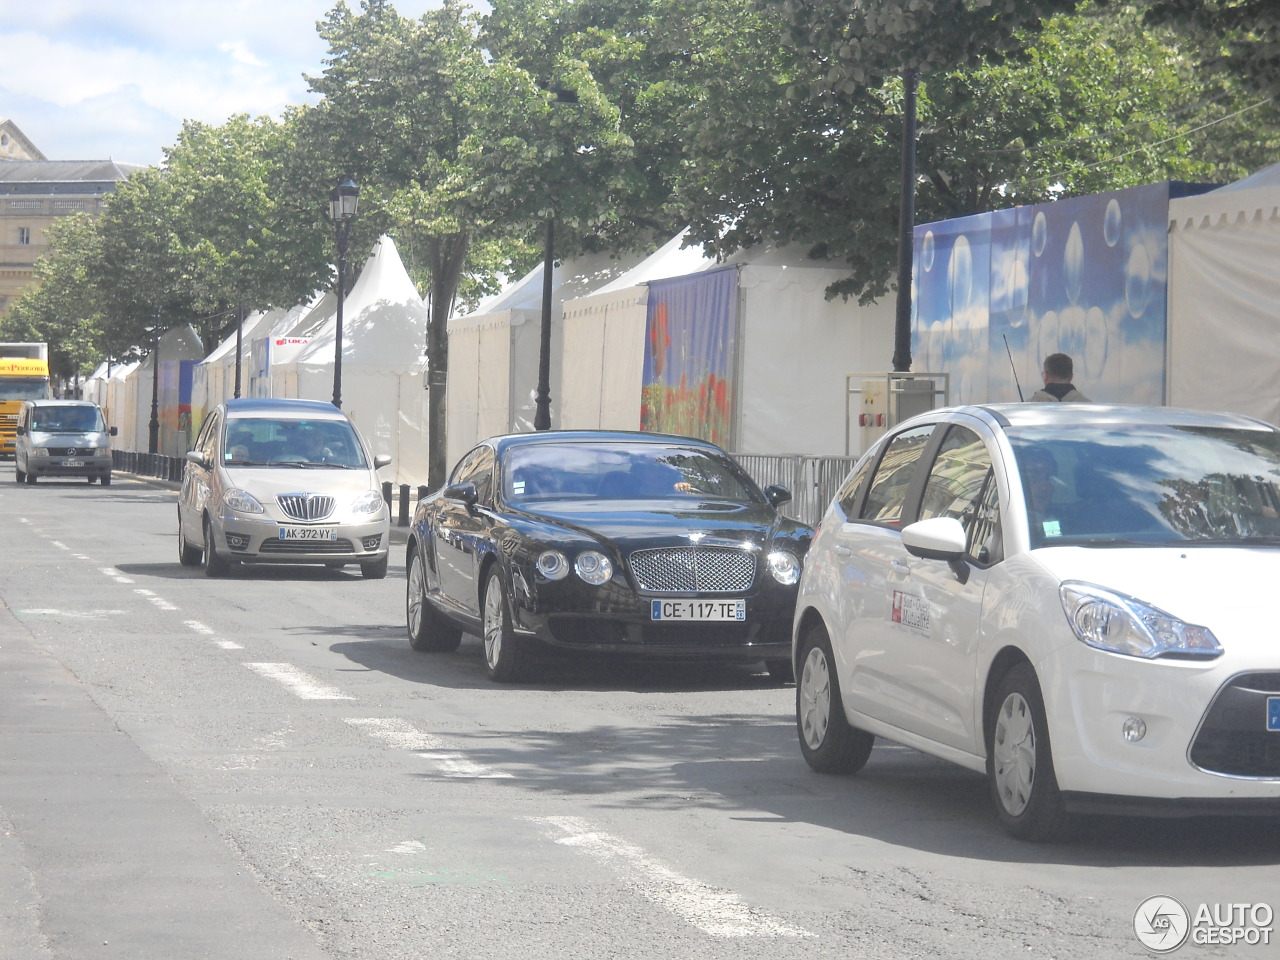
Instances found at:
x=935 y=607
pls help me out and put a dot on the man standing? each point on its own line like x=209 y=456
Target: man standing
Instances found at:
x=1057 y=382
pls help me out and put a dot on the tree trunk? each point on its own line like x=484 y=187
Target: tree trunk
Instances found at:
x=447 y=256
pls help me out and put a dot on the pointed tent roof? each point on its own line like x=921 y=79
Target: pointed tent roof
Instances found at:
x=384 y=319
x=1266 y=177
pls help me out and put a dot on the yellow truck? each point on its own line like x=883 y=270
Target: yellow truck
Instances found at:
x=24 y=375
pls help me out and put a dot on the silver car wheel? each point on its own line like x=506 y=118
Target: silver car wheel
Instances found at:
x=417 y=580
x=1014 y=742
x=493 y=624
x=815 y=699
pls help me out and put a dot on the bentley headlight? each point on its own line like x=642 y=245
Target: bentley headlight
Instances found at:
x=785 y=567
x=1118 y=623
x=553 y=565
x=241 y=501
x=369 y=502
x=594 y=567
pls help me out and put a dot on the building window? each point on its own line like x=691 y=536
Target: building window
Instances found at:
x=24 y=236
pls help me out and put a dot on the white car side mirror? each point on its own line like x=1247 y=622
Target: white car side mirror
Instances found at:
x=938 y=538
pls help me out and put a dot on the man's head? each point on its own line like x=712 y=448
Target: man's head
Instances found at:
x=1057 y=368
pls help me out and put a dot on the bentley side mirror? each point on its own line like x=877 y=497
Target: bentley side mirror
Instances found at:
x=466 y=492
x=777 y=494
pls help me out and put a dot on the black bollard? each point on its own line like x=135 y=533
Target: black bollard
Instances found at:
x=404 y=505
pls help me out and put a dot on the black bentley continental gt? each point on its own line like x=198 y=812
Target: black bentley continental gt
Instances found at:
x=598 y=542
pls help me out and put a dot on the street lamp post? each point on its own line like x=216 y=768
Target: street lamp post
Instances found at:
x=153 y=435
x=542 y=398
x=342 y=210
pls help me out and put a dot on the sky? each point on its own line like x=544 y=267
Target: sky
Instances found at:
x=114 y=79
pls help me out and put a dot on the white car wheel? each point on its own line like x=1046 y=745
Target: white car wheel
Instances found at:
x=830 y=744
x=1020 y=771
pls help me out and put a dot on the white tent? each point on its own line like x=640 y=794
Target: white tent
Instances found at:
x=274 y=352
x=1224 y=298
x=795 y=350
x=493 y=352
x=178 y=346
x=384 y=332
x=213 y=379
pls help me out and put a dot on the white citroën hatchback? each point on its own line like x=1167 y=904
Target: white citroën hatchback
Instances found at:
x=1072 y=598
x=282 y=481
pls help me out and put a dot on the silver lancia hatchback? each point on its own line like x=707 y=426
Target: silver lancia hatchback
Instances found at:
x=282 y=481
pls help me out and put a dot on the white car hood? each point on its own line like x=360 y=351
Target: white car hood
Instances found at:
x=1226 y=589
x=270 y=482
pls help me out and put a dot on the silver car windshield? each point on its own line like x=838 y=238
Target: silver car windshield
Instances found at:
x=262 y=441
x=1149 y=484
x=67 y=420
x=622 y=471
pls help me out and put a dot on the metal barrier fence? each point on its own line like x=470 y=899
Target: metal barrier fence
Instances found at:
x=813 y=481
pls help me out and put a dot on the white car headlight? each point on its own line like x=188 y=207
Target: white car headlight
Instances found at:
x=241 y=501
x=785 y=567
x=1120 y=624
x=553 y=565
x=368 y=502
x=594 y=567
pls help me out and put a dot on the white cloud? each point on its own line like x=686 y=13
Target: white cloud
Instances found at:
x=86 y=79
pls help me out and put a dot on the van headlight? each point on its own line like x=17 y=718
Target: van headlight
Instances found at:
x=241 y=501
x=1118 y=623
x=369 y=502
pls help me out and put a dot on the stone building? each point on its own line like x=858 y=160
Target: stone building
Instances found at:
x=34 y=192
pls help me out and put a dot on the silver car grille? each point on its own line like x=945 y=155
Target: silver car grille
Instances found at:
x=694 y=569
x=305 y=506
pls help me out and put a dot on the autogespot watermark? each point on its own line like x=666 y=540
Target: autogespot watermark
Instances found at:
x=1163 y=924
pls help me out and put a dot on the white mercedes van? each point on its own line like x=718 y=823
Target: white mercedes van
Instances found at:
x=62 y=438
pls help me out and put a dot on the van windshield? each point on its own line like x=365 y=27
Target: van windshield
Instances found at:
x=78 y=419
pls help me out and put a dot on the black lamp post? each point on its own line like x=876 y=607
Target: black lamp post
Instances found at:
x=342 y=210
x=542 y=398
x=153 y=437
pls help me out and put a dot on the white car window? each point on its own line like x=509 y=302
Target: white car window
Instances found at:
x=892 y=479
x=961 y=484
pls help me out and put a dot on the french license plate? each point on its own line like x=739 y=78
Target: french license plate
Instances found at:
x=698 y=610
x=1273 y=713
x=73 y=463
x=308 y=533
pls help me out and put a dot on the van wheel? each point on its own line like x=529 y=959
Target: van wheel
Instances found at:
x=105 y=479
x=19 y=475
x=31 y=478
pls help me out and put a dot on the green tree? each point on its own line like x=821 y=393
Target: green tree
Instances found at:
x=1239 y=37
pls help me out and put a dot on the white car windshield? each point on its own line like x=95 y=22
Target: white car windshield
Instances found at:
x=259 y=441
x=1149 y=484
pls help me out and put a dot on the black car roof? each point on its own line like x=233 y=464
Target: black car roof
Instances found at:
x=509 y=440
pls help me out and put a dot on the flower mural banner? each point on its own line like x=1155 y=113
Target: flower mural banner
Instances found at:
x=690 y=356
x=1084 y=276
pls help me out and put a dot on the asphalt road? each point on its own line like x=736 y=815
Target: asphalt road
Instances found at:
x=260 y=767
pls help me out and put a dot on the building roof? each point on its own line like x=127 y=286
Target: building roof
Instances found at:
x=19 y=145
x=65 y=171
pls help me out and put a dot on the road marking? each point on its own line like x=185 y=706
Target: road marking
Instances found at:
x=716 y=912
x=228 y=645
x=114 y=574
x=59 y=544
x=298 y=682
x=405 y=736
x=160 y=602
x=80 y=556
x=197 y=627
x=70 y=614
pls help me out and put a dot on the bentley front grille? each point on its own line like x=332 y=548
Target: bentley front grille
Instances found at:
x=694 y=570
x=305 y=506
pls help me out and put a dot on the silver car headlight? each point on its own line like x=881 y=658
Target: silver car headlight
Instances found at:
x=369 y=502
x=241 y=501
x=593 y=567
x=784 y=566
x=1119 y=623
x=553 y=565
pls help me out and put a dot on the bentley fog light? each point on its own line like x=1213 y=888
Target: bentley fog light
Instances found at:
x=553 y=565
x=241 y=501
x=594 y=567
x=1118 y=623
x=784 y=566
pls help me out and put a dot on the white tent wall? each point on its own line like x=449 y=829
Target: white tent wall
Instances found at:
x=494 y=351
x=384 y=332
x=115 y=403
x=176 y=345
x=797 y=348
x=1224 y=299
